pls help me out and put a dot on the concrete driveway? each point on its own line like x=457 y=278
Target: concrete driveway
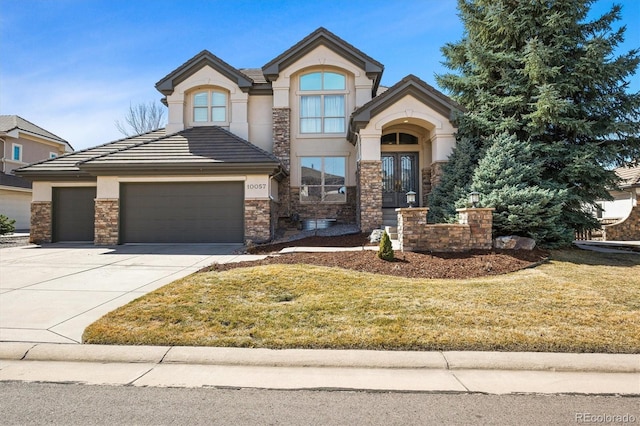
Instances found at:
x=51 y=293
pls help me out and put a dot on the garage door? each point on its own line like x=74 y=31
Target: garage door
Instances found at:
x=73 y=213
x=190 y=212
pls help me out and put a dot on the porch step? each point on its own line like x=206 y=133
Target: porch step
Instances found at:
x=392 y=231
x=389 y=217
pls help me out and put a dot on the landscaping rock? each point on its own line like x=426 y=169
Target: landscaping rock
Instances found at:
x=513 y=242
x=376 y=235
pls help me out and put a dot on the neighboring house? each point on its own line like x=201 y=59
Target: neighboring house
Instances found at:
x=624 y=198
x=21 y=143
x=311 y=134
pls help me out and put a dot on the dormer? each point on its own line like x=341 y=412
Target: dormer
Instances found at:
x=206 y=91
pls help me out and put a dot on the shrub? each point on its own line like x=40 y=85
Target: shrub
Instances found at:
x=385 y=252
x=7 y=225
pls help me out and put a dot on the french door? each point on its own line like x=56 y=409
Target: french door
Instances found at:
x=399 y=176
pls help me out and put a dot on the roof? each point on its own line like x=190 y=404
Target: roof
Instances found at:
x=14 y=181
x=324 y=37
x=409 y=85
x=13 y=122
x=167 y=84
x=208 y=149
x=629 y=176
x=66 y=165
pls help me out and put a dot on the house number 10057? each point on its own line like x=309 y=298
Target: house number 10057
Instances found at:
x=256 y=186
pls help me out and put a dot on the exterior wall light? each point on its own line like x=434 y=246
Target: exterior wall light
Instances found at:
x=411 y=198
x=474 y=199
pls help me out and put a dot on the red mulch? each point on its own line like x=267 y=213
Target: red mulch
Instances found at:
x=408 y=264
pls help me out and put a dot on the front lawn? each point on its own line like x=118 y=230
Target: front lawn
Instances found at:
x=578 y=302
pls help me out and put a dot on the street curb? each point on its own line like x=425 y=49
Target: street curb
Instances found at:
x=448 y=360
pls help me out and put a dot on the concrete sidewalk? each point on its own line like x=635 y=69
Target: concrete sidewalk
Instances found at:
x=486 y=372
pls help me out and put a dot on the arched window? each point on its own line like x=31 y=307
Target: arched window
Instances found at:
x=322 y=102
x=399 y=139
x=210 y=106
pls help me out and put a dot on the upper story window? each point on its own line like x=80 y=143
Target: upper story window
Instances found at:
x=16 y=152
x=322 y=102
x=53 y=155
x=210 y=106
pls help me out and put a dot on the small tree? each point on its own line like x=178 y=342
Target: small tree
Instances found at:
x=142 y=118
x=7 y=226
x=385 y=252
x=508 y=177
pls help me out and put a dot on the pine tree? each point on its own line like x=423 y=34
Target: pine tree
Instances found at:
x=543 y=73
x=456 y=178
x=508 y=177
x=385 y=250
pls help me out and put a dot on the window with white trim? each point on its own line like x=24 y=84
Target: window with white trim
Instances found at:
x=322 y=179
x=322 y=104
x=210 y=106
x=16 y=152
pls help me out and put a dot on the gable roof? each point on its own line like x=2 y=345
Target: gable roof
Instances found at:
x=9 y=123
x=324 y=37
x=409 y=85
x=167 y=84
x=629 y=176
x=209 y=149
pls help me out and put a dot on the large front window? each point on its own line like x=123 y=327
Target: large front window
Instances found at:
x=210 y=106
x=322 y=103
x=323 y=179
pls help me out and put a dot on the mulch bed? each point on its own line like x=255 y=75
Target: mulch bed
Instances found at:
x=408 y=264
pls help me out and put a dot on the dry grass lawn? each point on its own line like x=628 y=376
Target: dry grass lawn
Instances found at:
x=578 y=302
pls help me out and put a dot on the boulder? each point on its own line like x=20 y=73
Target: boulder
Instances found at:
x=376 y=236
x=513 y=242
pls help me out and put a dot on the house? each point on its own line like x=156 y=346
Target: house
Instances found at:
x=21 y=143
x=621 y=216
x=624 y=198
x=311 y=134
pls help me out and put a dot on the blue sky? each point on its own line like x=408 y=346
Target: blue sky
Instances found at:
x=74 y=66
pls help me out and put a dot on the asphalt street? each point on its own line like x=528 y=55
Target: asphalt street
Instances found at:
x=73 y=404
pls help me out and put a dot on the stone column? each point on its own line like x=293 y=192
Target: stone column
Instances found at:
x=41 y=222
x=257 y=221
x=480 y=222
x=282 y=150
x=436 y=173
x=369 y=203
x=107 y=222
x=411 y=225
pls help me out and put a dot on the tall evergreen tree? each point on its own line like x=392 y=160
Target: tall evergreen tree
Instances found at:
x=541 y=71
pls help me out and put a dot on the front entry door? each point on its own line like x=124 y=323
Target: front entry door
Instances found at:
x=399 y=176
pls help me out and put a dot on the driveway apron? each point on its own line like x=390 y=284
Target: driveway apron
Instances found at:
x=51 y=293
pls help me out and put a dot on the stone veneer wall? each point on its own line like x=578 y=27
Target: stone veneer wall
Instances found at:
x=369 y=195
x=426 y=185
x=473 y=231
x=107 y=222
x=41 y=222
x=342 y=212
x=627 y=229
x=282 y=150
x=436 y=173
x=257 y=220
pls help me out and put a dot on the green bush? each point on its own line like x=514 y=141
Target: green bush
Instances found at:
x=7 y=225
x=385 y=252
